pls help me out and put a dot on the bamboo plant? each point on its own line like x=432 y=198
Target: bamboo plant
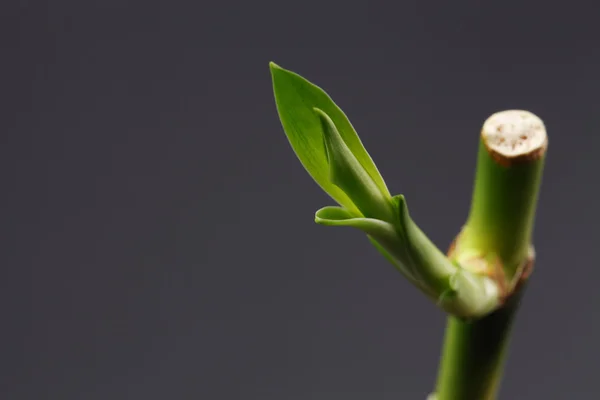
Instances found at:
x=481 y=279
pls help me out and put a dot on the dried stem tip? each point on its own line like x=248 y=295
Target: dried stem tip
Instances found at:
x=514 y=136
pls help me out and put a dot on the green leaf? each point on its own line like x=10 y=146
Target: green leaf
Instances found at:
x=332 y=153
x=296 y=98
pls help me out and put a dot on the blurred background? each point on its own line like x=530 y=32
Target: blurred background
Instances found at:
x=158 y=234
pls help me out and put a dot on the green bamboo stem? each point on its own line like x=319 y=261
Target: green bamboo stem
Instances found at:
x=497 y=235
x=474 y=354
x=483 y=278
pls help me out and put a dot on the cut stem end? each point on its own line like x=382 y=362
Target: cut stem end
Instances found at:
x=514 y=136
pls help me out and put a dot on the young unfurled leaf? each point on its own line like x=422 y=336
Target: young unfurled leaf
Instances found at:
x=349 y=175
x=296 y=99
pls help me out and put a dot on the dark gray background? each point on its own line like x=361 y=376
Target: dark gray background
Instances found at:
x=157 y=229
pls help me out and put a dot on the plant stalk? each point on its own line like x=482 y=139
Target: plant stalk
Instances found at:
x=474 y=353
x=496 y=240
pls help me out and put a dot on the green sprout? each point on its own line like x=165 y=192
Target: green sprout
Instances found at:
x=481 y=279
